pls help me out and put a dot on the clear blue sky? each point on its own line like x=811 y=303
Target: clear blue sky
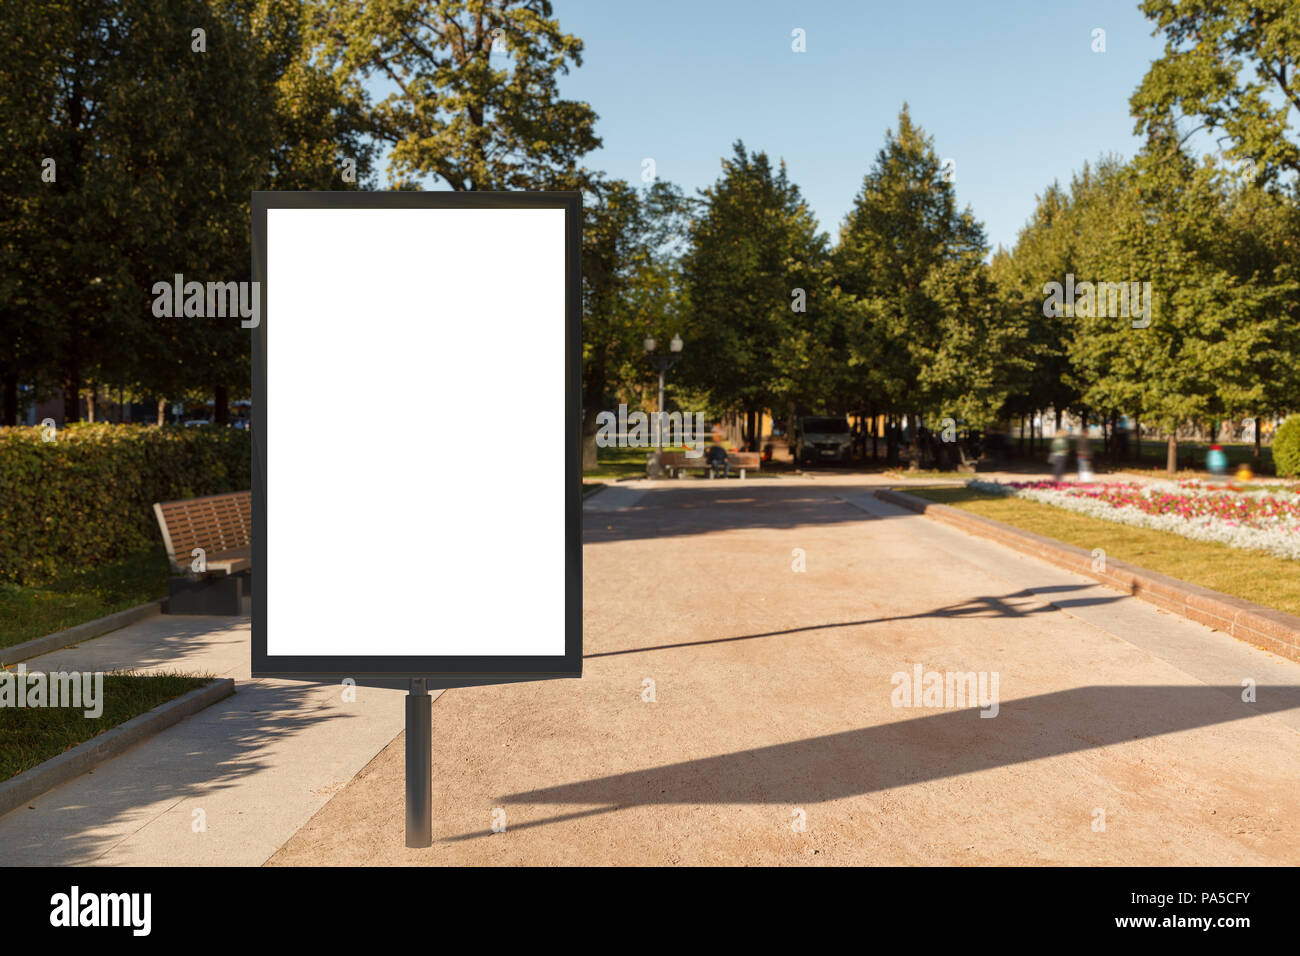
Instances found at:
x=1009 y=89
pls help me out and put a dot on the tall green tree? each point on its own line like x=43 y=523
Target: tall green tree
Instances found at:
x=1260 y=234
x=630 y=289
x=1214 y=321
x=1045 y=251
x=31 y=40
x=755 y=255
x=927 y=328
x=158 y=119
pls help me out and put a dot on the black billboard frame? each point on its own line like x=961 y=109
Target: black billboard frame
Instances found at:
x=433 y=671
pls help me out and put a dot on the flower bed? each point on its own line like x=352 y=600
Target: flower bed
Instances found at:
x=1259 y=520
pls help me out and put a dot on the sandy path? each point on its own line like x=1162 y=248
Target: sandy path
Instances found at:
x=773 y=704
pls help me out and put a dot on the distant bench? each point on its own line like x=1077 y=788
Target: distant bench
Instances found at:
x=676 y=463
x=209 y=543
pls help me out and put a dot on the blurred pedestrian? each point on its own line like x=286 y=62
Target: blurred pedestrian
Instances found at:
x=1083 y=450
x=1216 y=461
x=1059 y=452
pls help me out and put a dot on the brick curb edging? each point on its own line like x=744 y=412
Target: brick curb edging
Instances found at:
x=16 y=791
x=79 y=633
x=1272 y=630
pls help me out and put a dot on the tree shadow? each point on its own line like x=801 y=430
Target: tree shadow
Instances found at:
x=987 y=606
x=210 y=751
x=941 y=744
x=730 y=505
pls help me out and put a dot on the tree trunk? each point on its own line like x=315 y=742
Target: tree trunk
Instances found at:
x=593 y=393
x=11 y=400
x=1171 y=458
x=1259 y=427
x=589 y=457
x=1137 y=439
x=162 y=411
x=221 y=405
x=71 y=394
x=875 y=428
x=92 y=394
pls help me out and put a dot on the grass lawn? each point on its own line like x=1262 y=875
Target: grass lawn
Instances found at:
x=616 y=463
x=31 y=612
x=928 y=474
x=31 y=735
x=1253 y=575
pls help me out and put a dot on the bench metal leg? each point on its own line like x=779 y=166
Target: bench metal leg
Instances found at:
x=211 y=595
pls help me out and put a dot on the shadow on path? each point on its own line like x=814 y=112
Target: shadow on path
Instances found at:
x=980 y=607
x=943 y=744
x=665 y=512
x=212 y=750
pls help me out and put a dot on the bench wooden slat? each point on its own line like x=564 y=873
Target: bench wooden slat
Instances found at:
x=222 y=525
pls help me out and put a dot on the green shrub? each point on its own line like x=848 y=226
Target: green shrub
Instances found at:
x=87 y=497
x=1286 y=448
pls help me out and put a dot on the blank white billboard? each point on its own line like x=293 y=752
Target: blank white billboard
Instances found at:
x=414 y=433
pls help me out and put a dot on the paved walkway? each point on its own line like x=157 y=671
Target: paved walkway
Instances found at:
x=258 y=764
x=773 y=707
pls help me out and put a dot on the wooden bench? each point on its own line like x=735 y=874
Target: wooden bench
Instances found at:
x=744 y=460
x=209 y=543
x=676 y=463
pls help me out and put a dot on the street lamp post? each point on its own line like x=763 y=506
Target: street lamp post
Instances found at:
x=663 y=363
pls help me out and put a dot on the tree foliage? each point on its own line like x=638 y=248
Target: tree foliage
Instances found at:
x=755 y=256
x=923 y=323
x=475 y=100
x=1235 y=66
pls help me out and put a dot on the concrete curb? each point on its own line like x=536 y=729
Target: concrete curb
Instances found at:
x=79 y=633
x=1274 y=631
x=73 y=763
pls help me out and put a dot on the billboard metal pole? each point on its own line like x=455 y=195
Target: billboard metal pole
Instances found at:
x=419 y=765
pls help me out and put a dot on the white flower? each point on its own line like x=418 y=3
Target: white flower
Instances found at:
x=1272 y=535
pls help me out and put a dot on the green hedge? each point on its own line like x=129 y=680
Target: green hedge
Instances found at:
x=87 y=497
x=1286 y=448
